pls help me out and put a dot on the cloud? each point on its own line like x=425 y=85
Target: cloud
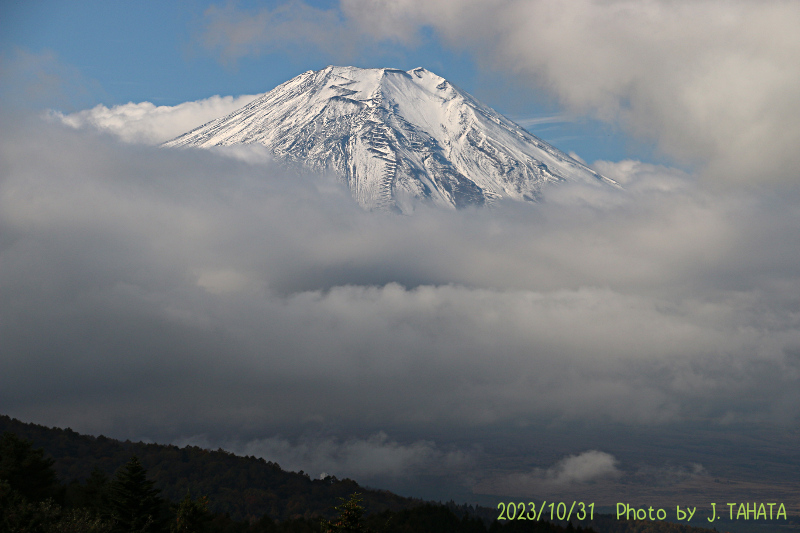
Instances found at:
x=583 y=468
x=41 y=80
x=601 y=477
x=648 y=307
x=669 y=475
x=233 y=33
x=534 y=121
x=150 y=124
x=359 y=458
x=150 y=292
x=715 y=84
x=161 y=293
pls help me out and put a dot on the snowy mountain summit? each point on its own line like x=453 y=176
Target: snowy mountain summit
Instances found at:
x=396 y=138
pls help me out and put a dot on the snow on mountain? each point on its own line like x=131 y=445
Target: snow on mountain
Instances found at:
x=396 y=138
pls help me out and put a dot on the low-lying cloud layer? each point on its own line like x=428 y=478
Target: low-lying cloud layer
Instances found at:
x=164 y=293
x=585 y=468
x=361 y=458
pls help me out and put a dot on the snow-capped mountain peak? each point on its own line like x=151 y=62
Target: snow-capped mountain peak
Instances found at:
x=396 y=138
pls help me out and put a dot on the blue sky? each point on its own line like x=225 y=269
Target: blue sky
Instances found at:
x=640 y=344
x=117 y=52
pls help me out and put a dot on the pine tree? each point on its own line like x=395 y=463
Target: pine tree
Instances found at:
x=134 y=502
x=95 y=490
x=191 y=515
x=26 y=470
x=349 y=520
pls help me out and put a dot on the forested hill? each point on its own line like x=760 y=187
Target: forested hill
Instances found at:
x=246 y=491
x=245 y=487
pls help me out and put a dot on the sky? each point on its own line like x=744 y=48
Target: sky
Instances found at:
x=640 y=344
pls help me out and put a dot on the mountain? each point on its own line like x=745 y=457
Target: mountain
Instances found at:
x=255 y=492
x=244 y=487
x=396 y=138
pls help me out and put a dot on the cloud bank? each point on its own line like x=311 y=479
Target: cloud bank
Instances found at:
x=714 y=84
x=359 y=458
x=584 y=468
x=150 y=124
x=152 y=272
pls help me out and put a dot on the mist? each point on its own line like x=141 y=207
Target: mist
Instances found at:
x=213 y=297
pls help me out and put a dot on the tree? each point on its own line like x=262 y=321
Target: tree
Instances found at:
x=191 y=515
x=75 y=520
x=95 y=490
x=26 y=470
x=349 y=520
x=134 y=502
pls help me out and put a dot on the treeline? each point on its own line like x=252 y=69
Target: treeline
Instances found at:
x=33 y=501
x=75 y=482
x=246 y=488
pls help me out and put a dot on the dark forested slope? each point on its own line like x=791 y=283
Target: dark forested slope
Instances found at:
x=256 y=492
x=245 y=487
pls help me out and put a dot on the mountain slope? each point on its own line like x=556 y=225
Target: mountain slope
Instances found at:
x=247 y=488
x=396 y=138
x=244 y=487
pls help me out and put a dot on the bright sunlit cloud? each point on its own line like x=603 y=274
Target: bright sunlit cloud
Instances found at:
x=150 y=124
x=714 y=84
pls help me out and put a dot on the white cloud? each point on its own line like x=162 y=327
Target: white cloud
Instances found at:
x=714 y=84
x=600 y=477
x=584 y=468
x=356 y=458
x=150 y=124
x=374 y=460
x=527 y=122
